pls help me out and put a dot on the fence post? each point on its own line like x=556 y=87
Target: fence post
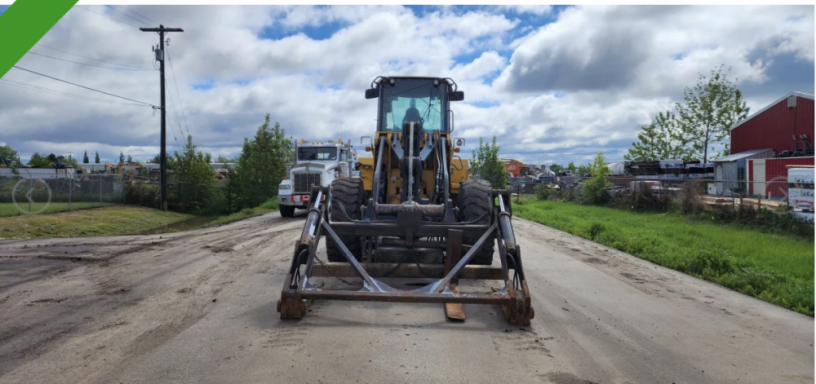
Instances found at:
x=30 y=188
x=100 y=189
x=70 y=189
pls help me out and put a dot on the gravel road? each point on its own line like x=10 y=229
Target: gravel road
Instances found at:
x=199 y=307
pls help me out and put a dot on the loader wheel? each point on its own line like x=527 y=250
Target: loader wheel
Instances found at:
x=287 y=210
x=475 y=204
x=347 y=193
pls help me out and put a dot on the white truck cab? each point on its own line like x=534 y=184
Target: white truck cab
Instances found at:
x=316 y=163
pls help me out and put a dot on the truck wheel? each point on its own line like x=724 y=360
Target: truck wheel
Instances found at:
x=347 y=193
x=475 y=205
x=287 y=210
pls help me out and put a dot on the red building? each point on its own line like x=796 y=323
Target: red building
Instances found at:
x=776 y=126
x=765 y=143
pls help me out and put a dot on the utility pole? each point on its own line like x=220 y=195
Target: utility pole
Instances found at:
x=160 y=58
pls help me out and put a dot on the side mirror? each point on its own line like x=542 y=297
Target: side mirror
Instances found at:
x=456 y=96
x=372 y=93
x=460 y=142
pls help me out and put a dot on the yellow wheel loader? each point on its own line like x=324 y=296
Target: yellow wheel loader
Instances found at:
x=412 y=214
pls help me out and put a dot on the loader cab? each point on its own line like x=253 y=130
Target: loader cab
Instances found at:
x=430 y=96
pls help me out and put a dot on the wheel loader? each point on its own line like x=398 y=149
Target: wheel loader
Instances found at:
x=412 y=214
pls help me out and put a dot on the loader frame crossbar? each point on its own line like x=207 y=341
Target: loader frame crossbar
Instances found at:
x=299 y=291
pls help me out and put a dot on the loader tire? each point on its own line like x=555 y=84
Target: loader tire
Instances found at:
x=475 y=205
x=287 y=211
x=349 y=194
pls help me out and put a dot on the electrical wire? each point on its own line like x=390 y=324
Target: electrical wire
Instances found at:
x=89 y=64
x=175 y=113
x=82 y=86
x=91 y=58
x=106 y=16
x=35 y=88
x=181 y=105
x=120 y=12
x=139 y=14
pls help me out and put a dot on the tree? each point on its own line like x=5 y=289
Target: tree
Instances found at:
x=661 y=139
x=192 y=170
x=571 y=166
x=52 y=158
x=556 y=167
x=121 y=157
x=129 y=159
x=260 y=166
x=584 y=169
x=96 y=159
x=595 y=188
x=38 y=160
x=711 y=108
x=487 y=165
x=7 y=153
x=85 y=158
x=224 y=159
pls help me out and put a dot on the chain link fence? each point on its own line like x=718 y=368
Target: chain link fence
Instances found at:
x=30 y=193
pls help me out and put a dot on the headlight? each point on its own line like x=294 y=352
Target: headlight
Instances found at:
x=284 y=186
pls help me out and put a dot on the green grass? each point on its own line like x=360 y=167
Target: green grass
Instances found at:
x=777 y=268
x=8 y=209
x=268 y=206
x=106 y=221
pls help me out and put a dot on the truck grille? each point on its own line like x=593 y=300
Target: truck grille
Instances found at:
x=304 y=181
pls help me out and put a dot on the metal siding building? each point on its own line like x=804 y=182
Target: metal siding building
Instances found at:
x=732 y=172
x=776 y=174
x=775 y=125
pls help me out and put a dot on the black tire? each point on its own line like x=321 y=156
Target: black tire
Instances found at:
x=475 y=206
x=347 y=193
x=287 y=210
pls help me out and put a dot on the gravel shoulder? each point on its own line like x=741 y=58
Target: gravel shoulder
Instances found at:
x=199 y=307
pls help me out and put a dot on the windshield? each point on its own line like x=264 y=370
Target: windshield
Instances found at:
x=411 y=100
x=319 y=153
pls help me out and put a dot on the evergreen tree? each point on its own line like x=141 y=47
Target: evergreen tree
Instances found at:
x=85 y=158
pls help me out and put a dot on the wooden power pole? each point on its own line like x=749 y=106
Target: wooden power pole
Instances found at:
x=160 y=58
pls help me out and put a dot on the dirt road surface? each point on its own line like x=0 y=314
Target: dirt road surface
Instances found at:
x=199 y=307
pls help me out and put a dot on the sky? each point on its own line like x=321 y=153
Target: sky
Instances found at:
x=553 y=84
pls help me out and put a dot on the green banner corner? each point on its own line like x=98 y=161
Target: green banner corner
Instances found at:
x=24 y=23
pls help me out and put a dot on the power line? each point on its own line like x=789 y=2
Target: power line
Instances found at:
x=82 y=86
x=91 y=58
x=131 y=17
x=36 y=88
x=89 y=64
x=104 y=15
x=139 y=14
x=181 y=105
x=175 y=113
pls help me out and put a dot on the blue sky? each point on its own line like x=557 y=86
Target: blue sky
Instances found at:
x=554 y=84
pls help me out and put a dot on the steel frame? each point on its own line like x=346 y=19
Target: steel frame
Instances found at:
x=514 y=298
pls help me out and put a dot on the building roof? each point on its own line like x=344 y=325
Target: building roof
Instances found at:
x=741 y=155
x=783 y=98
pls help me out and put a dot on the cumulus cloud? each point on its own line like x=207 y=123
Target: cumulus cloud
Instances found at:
x=552 y=86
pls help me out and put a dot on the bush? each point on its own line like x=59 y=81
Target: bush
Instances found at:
x=542 y=192
x=595 y=189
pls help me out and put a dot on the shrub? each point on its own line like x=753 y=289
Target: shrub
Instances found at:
x=595 y=189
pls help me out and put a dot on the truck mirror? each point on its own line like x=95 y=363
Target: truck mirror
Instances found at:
x=372 y=93
x=456 y=96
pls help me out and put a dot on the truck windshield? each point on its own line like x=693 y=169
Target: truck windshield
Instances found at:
x=317 y=153
x=411 y=100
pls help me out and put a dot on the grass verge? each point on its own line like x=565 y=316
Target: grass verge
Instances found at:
x=776 y=268
x=268 y=206
x=9 y=209
x=105 y=221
